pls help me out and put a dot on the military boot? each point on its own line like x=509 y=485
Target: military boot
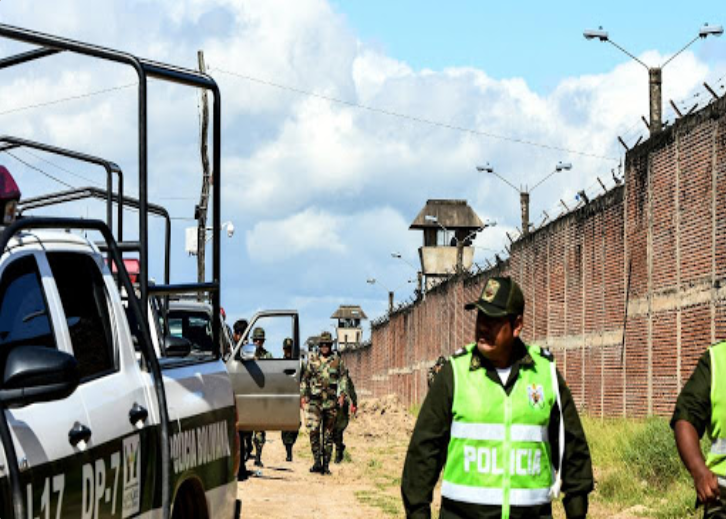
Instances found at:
x=258 y=458
x=339 y=454
x=317 y=466
x=289 y=452
x=326 y=465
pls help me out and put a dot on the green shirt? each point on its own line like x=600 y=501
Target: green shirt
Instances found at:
x=694 y=401
x=429 y=443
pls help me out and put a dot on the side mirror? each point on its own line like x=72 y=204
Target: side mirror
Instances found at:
x=247 y=352
x=177 y=346
x=36 y=374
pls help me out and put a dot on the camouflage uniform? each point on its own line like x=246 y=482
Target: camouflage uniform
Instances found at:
x=260 y=354
x=341 y=422
x=288 y=437
x=324 y=380
x=434 y=370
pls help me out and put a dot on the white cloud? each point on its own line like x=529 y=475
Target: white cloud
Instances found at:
x=326 y=190
x=311 y=230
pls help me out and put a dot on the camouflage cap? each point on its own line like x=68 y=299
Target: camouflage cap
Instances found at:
x=501 y=296
x=325 y=338
x=287 y=344
x=258 y=334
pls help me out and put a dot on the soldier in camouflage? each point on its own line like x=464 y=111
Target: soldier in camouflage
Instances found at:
x=349 y=407
x=323 y=389
x=288 y=437
x=258 y=338
x=434 y=370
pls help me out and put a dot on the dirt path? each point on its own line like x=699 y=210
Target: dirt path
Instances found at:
x=365 y=485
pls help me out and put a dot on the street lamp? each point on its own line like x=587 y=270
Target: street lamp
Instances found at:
x=191 y=239
x=524 y=193
x=419 y=274
x=374 y=281
x=654 y=73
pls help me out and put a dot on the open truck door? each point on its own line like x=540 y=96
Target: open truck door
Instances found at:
x=267 y=391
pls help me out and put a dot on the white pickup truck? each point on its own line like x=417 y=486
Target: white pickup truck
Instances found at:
x=83 y=407
x=100 y=417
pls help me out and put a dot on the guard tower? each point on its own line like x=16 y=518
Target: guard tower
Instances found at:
x=448 y=226
x=349 y=330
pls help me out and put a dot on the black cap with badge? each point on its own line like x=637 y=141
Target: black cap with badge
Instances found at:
x=500 y=297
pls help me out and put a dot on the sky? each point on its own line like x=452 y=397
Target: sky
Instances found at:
x=341 y=118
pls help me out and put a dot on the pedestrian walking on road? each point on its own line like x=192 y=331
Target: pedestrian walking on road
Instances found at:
x=700 y=408
x=323 y=389
x=349 y=407
x=501 y=420
x=258 y=338
x=288 y=437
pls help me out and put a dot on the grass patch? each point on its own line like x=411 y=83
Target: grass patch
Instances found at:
x=387 y=504
x=636 y=463
x=414 y=410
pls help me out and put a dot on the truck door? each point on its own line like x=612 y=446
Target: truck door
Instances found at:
x=48 y=458
x=116 y=394
x=267 y=391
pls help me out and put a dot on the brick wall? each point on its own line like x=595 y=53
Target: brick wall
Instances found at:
x=626 y=291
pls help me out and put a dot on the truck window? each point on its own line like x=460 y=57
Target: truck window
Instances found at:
x=194 y=326
x=83 y=295
x=24 y=319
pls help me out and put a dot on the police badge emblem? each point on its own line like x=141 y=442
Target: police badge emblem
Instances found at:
x=536 y=396
x=490 y=290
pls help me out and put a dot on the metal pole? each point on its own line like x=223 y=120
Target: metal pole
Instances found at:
x=656 y=103
x=524 y=202
x=204 y=197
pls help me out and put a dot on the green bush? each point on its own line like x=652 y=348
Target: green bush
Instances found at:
x=651 y=453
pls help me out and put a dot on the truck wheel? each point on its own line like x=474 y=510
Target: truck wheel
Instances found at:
x=190 y=502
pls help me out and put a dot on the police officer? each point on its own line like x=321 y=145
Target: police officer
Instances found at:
x=288 y=437
x=245 y=437
x=258 y=338
x=502 y=421
x=701 y=407
x=349 y=407
x=323 y=389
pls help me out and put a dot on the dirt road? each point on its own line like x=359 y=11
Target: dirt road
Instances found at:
x=365 y=485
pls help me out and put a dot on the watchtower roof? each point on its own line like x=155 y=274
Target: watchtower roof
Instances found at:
x=452 y=214
x=349 y=312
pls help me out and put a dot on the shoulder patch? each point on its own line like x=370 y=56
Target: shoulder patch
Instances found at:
x=459 y=352
x=546 y=353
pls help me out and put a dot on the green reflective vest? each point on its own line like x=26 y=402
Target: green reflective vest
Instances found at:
x=716 y=460
x=499 y=452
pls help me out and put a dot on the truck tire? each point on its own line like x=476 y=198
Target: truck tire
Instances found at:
x=190 y=502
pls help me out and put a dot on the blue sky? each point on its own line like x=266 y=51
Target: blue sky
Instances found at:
x=539 y=41
x=320 y=191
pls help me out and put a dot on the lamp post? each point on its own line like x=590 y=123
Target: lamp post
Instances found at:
x=654 y=73
x=419 y=274
x=374 y=281
x=524 y=192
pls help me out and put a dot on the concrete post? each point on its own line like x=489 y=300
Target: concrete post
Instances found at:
x=390 y=302
x=656 y=102
x=524 y=202
x=419 y=277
